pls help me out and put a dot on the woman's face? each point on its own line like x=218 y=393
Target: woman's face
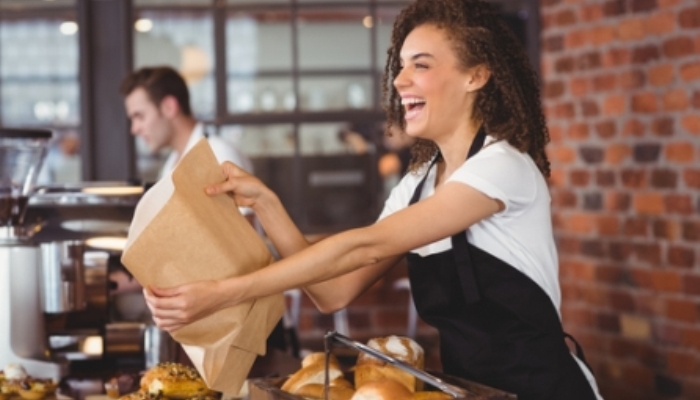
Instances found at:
x=432 y=85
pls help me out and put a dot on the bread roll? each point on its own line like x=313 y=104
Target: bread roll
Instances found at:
x=313 y=373
x=315 y=391
x=370 y=369
x=383 y=389
x=174 y=381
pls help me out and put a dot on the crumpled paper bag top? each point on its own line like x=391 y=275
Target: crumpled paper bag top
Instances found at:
x=179 y=234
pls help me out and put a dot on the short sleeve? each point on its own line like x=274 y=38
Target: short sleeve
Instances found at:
x=501 y=172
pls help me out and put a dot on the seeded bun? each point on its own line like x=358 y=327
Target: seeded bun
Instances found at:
x=175 y=381
x=369 y=368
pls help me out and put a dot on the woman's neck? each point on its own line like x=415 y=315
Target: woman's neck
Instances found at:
x=454 y=150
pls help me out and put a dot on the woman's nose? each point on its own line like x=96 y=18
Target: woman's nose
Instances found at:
x=402 y=79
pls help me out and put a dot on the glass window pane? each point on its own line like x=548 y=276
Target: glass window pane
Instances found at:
x=172 y=3
x=258 y=41
x=386 y=17
x=255 y=95
x=334 y=38
x=340 y=92
x=185 y=41
x=39 y=86
x=248 y=2
x=38 y=4
x=261 y=140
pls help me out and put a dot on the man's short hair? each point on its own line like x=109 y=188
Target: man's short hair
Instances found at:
x=159 y=82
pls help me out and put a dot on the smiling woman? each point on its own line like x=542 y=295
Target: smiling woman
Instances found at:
x=472 y=218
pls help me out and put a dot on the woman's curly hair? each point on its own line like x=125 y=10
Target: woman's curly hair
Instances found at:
x=508 y=106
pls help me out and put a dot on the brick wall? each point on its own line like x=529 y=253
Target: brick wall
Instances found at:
x=622 y=97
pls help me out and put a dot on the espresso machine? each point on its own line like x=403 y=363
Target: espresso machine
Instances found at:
x=22 y=330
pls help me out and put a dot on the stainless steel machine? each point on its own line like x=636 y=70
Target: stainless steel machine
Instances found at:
x=22 y=330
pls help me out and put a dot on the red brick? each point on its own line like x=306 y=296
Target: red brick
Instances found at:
x=669 y=3
x=634 y=127
x=578 y=86
x=601 y=35
x=660 y=23
x=633 y=79
x=616 y=57
x=578 y=316
x=661 y=75
x=691 y=230
x=556 y=132
x=564 y=110
x=621 y=301
x=691 y=177
x=564 y=64
x=650 y=304
x=666 y=229
x=588 y=60
x=668 y=334
x=634 y=178
x=649 y=203
x=678 y=204
x=575 y=39
x=681 y=363
x=689 y=18
x=636 y=227
x=648 y=253
x=638 y=377
x=616 y=104
x=564 y=199
x=691 y=123
x=696 y=99
x=605 y=178
x=580 y=223
x=681 y=152
x=645 y=103
x=554 y=89
x=630 y=29
x=617 y=153
x=557 y=178
x=606 y=129
x=608 y=225
x=605 y=82
x=682 y=310
x=678 y=47
x=675 y=100
x=589 y=108
x=690 y=71
x=580 y=177
x=691 y=338
x=681 y=257
x=620 y=251
x=561 y=154
x=565 y=17
x=666 y=280
x=618 y=201
x=663 y=126
x=578 y=131
x=591 y=12
x=691 y=285
x=611 y=274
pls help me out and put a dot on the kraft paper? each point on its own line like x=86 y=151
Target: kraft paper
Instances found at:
x=178 y=235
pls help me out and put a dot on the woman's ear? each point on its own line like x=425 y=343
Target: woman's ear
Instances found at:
x=478 y=77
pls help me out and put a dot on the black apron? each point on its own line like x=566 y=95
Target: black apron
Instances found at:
x=496 y=325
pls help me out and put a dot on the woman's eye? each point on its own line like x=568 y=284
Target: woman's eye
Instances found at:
x=421 y=66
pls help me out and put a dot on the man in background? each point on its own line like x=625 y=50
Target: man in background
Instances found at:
x=157 y=102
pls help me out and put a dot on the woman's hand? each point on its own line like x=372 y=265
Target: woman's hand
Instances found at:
x=245 y=188
x=175 y=307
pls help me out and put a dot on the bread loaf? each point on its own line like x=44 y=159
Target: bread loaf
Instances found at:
x=370 y=369
x=313 y=371
x=315 y=391
x=382 y=389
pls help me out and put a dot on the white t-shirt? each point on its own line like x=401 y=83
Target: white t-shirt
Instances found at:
x=223 y=150
x=521 y=234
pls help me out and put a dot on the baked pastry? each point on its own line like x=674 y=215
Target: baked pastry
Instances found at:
x=335 y=392
x=382 y=389
x=369 y=368
x=174 y=381
x=36 y=389
x=313 y=371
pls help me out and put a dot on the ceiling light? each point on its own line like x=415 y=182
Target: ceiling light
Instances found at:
x=68 y=28
x=143 y=25
x=367 y=21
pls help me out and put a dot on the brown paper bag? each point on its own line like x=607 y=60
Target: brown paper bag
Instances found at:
x=178 y=235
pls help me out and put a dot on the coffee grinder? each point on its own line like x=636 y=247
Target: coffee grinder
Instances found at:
x=22 y=333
